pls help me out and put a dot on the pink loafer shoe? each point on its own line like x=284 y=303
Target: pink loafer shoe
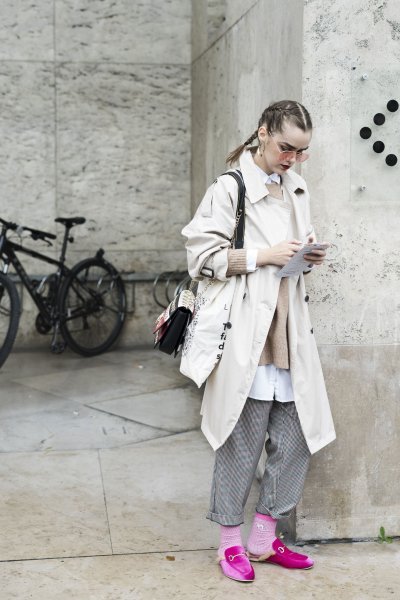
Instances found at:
x=236 y=564
x=284 y=557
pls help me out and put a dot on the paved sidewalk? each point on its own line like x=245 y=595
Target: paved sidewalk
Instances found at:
x=105 y=482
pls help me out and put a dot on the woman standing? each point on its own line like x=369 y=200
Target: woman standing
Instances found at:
x=269 y=378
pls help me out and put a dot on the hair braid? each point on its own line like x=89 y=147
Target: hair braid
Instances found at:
x=274 y=118
x=251 y=138
x=303 y=112
x=234 y=155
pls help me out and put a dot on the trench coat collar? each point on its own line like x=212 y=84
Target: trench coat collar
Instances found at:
x=255 y=187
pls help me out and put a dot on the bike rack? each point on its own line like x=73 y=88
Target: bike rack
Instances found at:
x=165 y=278
x=183 y=285
x=163 y=291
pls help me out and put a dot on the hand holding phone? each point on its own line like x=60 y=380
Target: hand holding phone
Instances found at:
x=316 y=246
x=315 y=252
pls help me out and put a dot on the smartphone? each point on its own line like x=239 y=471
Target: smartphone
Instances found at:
x=316 y=246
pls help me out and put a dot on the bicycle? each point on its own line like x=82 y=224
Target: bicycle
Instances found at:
x=85 y=304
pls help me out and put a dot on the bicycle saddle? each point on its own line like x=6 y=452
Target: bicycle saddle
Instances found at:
x=71 y=221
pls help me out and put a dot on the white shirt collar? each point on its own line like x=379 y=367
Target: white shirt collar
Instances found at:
x=255 y=185
x=273 y=178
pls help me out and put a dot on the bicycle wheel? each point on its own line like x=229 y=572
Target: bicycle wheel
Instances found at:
x=92 y=306
x=10 y=307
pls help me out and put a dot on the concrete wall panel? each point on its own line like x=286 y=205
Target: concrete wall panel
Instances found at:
x=125 y=31
x=340 y=44
x=27 y=30
x=354 y=298
x=27 y=149
x=123 y=137
x=236 y=79
x=352 y=486
x=212 y=18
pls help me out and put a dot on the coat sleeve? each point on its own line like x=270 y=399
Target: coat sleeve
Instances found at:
x=210 y=231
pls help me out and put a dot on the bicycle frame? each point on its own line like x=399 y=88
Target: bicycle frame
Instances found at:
x=8 y=251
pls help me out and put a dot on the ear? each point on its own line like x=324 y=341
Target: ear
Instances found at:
x=262 y=133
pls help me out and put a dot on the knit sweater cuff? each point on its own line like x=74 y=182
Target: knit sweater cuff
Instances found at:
x=237 y=262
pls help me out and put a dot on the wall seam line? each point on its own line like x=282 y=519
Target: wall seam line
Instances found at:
x=55 y=112
x=375 y=345
x=90 y=62
x=225 y=32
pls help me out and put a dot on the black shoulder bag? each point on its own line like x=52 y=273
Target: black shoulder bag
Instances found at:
x=171 y=325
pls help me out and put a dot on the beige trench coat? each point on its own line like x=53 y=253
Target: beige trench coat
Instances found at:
x=254 y=303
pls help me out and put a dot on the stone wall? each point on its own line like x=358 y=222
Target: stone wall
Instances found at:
x=95 y=121
x=316 y=52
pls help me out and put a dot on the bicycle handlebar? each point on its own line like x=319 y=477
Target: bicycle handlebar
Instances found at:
x=9 y=224
x=36 y=234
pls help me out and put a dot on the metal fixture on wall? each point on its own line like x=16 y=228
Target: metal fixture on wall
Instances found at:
x=379 y=119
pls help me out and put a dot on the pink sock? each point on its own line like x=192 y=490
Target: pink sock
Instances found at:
x=230 y=536
x=262 y=534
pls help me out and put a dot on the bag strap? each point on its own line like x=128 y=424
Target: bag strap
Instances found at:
x=238 y=236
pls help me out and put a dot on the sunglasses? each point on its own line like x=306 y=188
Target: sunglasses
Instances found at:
x=298 y=155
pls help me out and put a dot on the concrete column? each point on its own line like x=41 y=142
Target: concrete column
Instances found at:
x=352 y=488
x=236 y=71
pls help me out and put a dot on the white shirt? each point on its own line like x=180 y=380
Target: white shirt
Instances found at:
x=272 y=383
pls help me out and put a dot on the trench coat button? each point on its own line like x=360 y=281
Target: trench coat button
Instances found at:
x=306 y=298
x=244 y=295
x=312 y=330
x=229 y=324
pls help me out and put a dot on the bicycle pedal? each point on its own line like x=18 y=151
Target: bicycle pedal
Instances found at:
x=58 y=347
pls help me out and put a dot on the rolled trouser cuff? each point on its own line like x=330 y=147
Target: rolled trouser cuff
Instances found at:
x=225 y=519
x=260 y=508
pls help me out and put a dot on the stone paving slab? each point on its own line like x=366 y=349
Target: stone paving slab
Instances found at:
x=27 y=364
x=16 y=401
x=342 y=572
x=52 y=505
x=158 y=494
x=175 y=409
x=99 y=383
x=70 y=426
x=146 y=358
x=63 y=402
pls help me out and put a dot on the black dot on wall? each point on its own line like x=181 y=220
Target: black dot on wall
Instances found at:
x=379 y=119
x=392 y=105
x=365 y=133
x=391 y=160
x=378 y=147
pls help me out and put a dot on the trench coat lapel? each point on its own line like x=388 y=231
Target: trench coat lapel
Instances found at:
x=297 y=205
x=255 y=186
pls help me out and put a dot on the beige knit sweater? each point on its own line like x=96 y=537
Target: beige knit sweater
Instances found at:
x=276 y=348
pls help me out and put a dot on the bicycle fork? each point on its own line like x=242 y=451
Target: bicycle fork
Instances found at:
x=57 y=346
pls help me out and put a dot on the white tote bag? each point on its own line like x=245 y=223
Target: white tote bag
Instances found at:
x=205 y=336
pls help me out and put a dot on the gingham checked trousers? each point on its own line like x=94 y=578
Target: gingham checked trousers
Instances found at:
x=236 y=462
